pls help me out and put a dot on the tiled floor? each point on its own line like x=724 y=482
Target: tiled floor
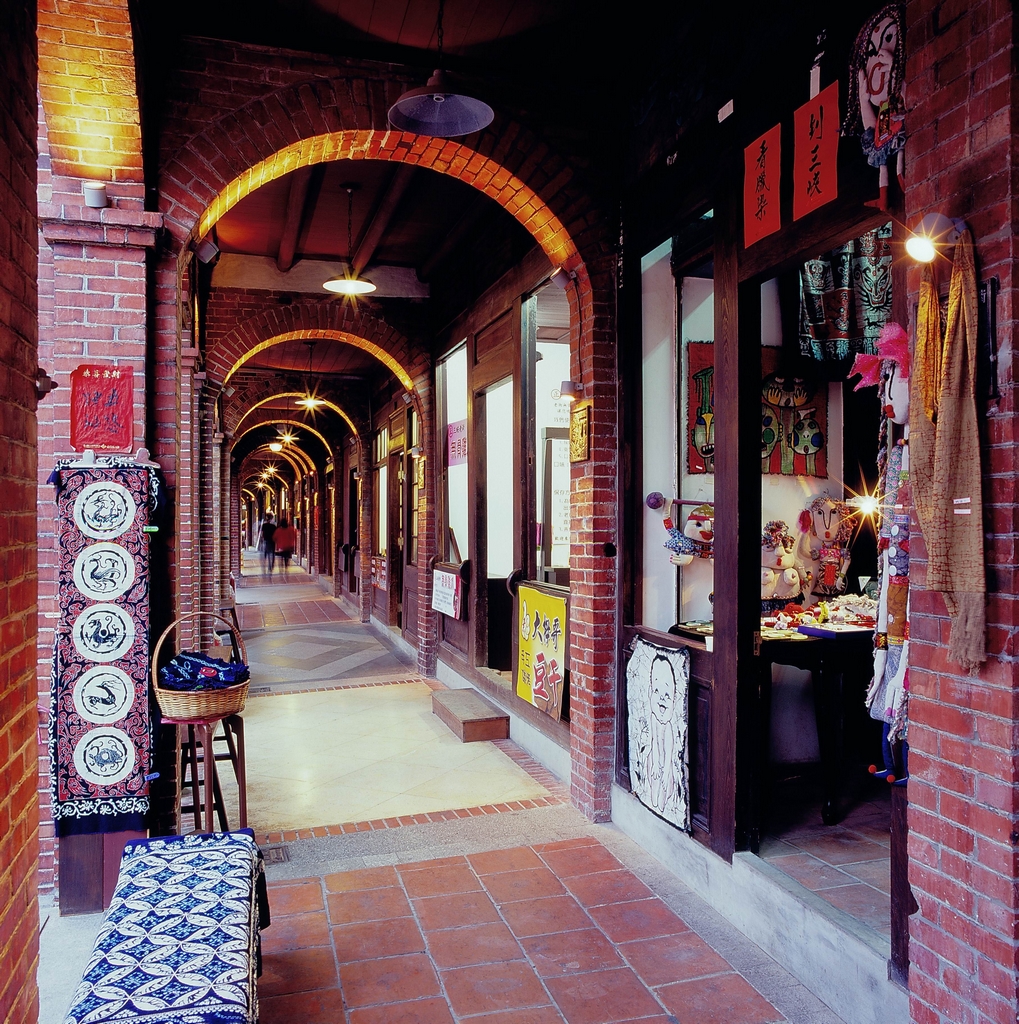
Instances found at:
x=356 y=754
x=846 y=864
x=529 y=935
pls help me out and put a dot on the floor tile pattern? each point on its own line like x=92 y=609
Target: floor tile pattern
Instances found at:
x=846 y=864
x=546 y=934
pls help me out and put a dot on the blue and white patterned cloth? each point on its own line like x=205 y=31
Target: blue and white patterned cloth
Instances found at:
x=180 y=942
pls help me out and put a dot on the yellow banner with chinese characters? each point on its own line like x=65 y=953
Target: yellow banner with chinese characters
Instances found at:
x=541 y=649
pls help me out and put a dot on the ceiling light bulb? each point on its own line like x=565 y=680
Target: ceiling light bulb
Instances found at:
x=276 y=446
x=343 y=285
x=310 y=402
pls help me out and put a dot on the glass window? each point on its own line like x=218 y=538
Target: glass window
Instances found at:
x=452 y=381
x=416 y=468
x=501 y=483
x=381 y=491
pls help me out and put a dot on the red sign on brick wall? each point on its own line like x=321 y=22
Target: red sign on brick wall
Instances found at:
x=762 y=161
x=815 y=152
x=102 y=417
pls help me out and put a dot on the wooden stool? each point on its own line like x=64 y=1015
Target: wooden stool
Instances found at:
x=204 y=733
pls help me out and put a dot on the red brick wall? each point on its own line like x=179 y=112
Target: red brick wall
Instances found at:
x=963 y=788
x=19 y=826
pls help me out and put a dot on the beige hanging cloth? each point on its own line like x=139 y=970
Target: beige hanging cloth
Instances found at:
x=944 y=445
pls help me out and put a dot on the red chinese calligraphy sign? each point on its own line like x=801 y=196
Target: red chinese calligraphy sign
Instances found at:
x=815 y=152
x=762 y=163
x=102 y=408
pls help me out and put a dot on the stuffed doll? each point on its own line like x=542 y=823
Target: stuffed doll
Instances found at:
x=828 y=526
x=887 y=697
x=783 y=578
x=700 y=529
x=876 y=73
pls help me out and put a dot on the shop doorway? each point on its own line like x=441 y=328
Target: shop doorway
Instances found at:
x=497 y=521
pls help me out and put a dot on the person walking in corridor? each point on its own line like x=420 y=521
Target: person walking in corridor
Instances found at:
x=266 y=544
x=285 y=541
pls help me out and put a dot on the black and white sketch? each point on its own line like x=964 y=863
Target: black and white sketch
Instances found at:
x=657 y=697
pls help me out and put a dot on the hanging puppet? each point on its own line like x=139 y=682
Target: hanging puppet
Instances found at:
x=828 y=526
x=887 y=697
x=876 y=73
x=783 y=578
x=695 y=539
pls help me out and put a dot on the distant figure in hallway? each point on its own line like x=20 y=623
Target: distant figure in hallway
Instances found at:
x=285 y=541
x=266 y=543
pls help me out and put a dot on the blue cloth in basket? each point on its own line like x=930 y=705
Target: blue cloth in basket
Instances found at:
x=180 y=942
x=192 y=670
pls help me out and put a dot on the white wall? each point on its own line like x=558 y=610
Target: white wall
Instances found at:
x=501 y=483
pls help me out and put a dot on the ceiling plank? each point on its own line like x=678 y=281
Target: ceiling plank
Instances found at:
x=398 y=183
x=297 y=201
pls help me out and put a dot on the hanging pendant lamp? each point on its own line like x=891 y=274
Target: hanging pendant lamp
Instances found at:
x=439 y=108
x=310 y=401
x=349 y=283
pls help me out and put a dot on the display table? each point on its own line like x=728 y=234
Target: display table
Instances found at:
x=180 y=942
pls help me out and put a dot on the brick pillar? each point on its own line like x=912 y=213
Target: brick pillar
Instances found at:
x=428 y=618
x=365 y=542
x=19 y=822
x=963 y=821
x=593 y=599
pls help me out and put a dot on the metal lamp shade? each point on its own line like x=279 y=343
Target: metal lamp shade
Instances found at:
x=436 y=109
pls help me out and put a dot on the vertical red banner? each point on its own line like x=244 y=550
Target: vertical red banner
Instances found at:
x=762 y=168
x=815 y=152
x=102 y=408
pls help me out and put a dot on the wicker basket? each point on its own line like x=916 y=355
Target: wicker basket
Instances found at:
x=199 y=705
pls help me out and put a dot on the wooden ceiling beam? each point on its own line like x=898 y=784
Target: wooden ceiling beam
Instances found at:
x=398 y=184
x=293 y=220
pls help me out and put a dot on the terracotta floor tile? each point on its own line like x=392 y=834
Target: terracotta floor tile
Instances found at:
x=297 y=970
x=427 y=865
x=724 y=999
x=504 y=860
x=811 y=872
x=603 y=997
x=623 y=922
x=669 y=958
x=477 y=944
x=363 y=878
x=531 y=1015
x=529 y=884
x=421 y=1011
x=567 y=844
x=505 y=986
x=455 y=911
x=296 y=931
x=607 y=887
x=322 y=1007
x=580 y=860
x=540 y=917
x=841 y=848
x=368 y=905
x=439 y=881
x=299 y=898
x=396 y=979
x=571 y=953
x=370 y=940
x=877 y=873
x=863 y=902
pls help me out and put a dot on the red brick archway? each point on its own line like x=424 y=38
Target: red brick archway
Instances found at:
x=343 y=116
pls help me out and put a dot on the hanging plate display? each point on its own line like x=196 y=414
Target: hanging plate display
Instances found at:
x=104 y=510
x=104 y=572
x=103 y=695
x=104 y=757
x=103 y=632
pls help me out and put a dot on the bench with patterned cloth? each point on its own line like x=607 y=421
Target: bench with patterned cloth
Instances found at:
x=180 y=942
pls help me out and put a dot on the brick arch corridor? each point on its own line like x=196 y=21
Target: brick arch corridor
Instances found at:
x=314 y=121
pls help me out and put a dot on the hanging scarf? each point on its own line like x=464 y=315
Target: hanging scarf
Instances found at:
x=945 y=455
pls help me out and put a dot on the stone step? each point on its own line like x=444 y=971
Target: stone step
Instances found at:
x=469 y=716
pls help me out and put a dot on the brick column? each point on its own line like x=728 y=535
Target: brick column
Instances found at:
x=963 y=820
x=593 y=599
x=428 y=618
x=19 y=811
x=364 y=592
